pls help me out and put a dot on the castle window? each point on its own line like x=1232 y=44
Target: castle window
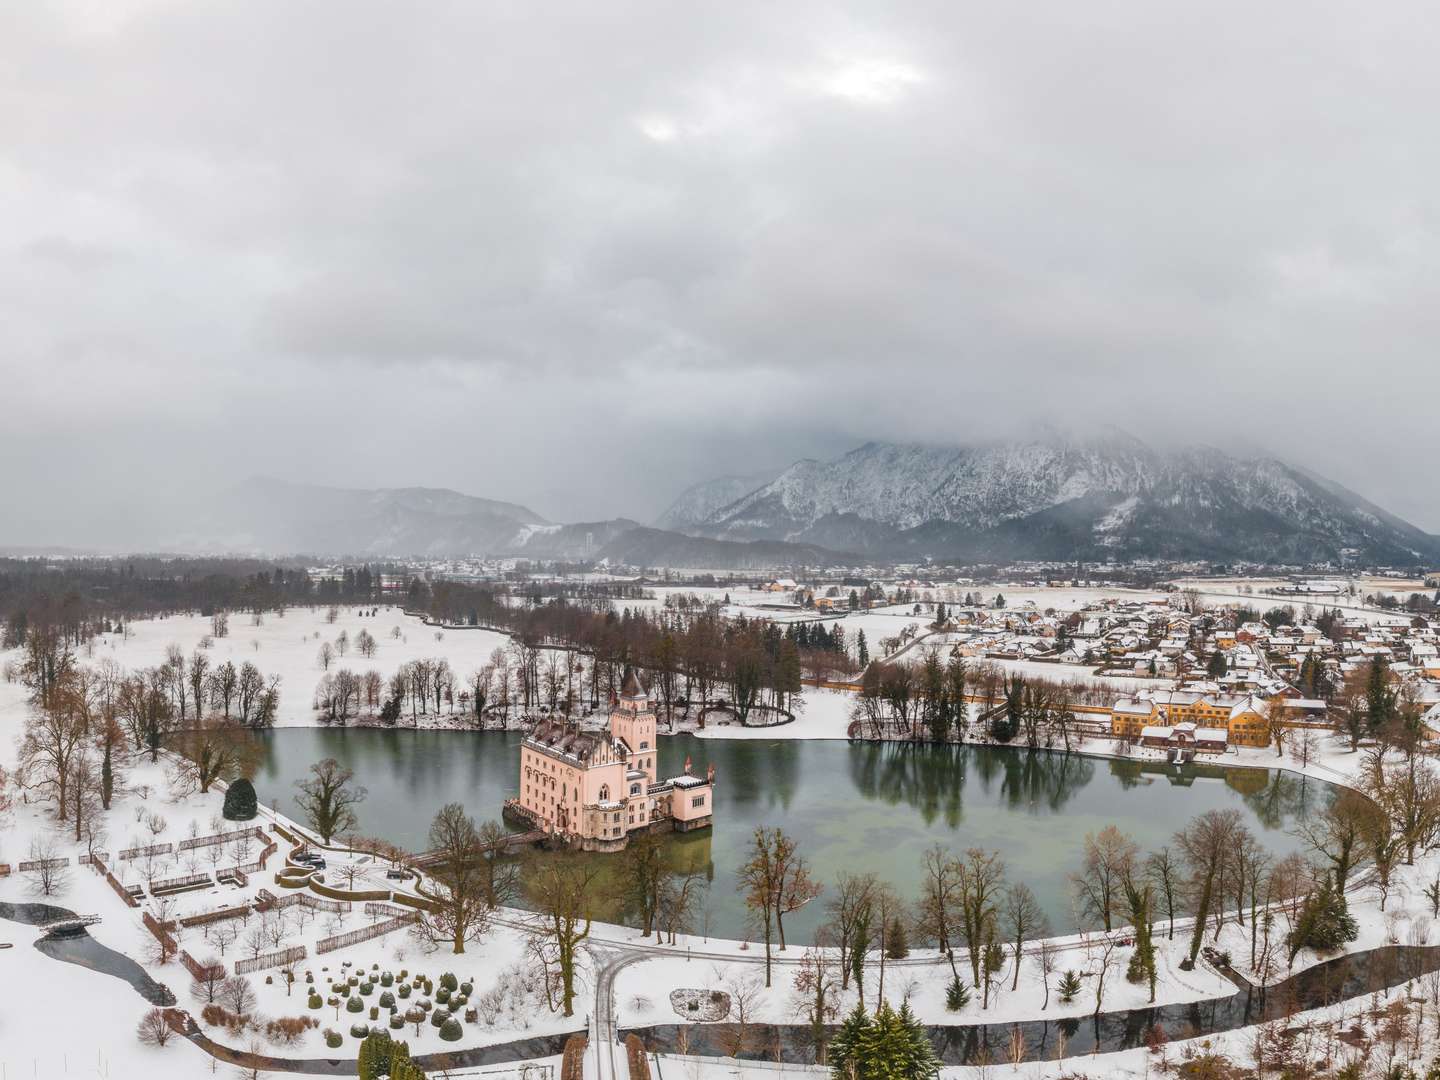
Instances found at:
x=644 y=744
x=604 y=792
x=698 y=800
x=634 y=789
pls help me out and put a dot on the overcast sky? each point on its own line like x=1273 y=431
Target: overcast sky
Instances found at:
x=581 y=255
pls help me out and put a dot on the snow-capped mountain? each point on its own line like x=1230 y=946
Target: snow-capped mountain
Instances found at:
x=696 y=504
x=1063 y=498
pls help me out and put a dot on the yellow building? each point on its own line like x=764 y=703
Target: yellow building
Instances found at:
x=1130 y=716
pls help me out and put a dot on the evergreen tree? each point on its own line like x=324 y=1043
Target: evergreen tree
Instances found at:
x=1325 y=921
x=1217 y=665
x=848 y=1044
x=862 y=649
x=957 y=994
x=1069 y=986
x=917 y=1053
x=240 y=801
x=897 y=947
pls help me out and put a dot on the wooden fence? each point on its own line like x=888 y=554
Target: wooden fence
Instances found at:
x=220 y=838
x=365 y=933
x=179 y=884
x=240 y=911
x=43 y=864
x=282 y=958
x=141 y=852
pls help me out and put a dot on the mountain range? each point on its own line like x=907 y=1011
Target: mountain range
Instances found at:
x=1067 y=498
x=1051 y=498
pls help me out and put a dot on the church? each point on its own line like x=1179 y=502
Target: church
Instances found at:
x=592 y=789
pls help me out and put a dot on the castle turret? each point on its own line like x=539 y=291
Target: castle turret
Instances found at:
x=633 y=722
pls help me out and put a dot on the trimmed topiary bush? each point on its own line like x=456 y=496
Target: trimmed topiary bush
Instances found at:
x=366 y=988
x=333 y=1040
x=439 y=1016
x=360 y=1030
x=387 y=999
x=404 y=990
x=315 y=1001
x=396 y=1021
x=449 y=981
x=354 y=1004
x=467 y=988
x=374 y=1012
x=386 y=979
x=442 y=995
x=451 y=1031
x=240 y=801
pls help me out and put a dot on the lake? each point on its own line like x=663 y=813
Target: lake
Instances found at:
x=857 y=807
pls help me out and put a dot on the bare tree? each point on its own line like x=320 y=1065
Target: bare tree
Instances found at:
x=564 y=893
x=205 y=987
x=214 y=749
x=849 y=906
x=154 y=1029
x=465 y=894
x=1108 y=860
x=237 y=996
x=1024 y=919
x=329 y=798
x=982 y=877
x=49 y=872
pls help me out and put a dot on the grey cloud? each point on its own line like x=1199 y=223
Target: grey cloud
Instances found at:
x=580 y=255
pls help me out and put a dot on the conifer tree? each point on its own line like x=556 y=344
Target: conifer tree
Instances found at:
x=847 y=1045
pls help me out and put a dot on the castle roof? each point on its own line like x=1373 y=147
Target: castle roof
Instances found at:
x=562 y=739
x=631 y=687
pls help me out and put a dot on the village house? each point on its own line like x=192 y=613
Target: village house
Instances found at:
x=592 y=789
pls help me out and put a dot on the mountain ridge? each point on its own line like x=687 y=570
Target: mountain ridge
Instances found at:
x=1082 y=498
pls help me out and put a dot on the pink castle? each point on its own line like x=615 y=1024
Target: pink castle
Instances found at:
x=594 y=788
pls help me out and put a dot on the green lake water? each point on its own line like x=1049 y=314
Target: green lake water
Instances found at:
x=856 y=807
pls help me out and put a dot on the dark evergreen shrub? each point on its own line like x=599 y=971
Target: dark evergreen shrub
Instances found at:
x=240 y=801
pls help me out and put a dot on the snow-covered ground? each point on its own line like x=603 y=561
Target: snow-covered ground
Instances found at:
x=32 y=1030
x=289 y=646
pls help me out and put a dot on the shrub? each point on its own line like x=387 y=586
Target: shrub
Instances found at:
x=451 y=1031
x=439 y=1016
x=404 y=990
x=387 y=999
x=288 y=1029
x=424 y=1003
x=354 y=1004
x=333 y=1040
x=360 y=1030
x=397 y=1021
x=240 y=801
x=449 y=982
x=374 y=1012
x=314 y=1002
x=219 y=1016
x=387 y=979
x=467 y=988
x=366 y=988
x=442 y=995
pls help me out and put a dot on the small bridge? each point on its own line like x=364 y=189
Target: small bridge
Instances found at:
x=66 y=925
x=510 y=843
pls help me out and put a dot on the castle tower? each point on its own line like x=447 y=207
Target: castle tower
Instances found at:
x=632 y=720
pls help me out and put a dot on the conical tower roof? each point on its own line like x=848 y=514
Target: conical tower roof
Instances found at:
x=631 y=687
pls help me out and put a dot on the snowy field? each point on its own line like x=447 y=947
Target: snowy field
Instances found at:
x=289 y=646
